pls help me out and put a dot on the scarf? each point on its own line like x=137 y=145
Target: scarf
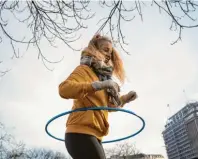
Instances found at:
x=102 y=70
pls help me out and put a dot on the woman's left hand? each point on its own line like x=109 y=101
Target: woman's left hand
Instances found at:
x=129 y=97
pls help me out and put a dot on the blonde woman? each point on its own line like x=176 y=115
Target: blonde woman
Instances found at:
x=90 y=85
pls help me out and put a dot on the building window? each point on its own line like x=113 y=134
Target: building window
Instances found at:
x=190 y=116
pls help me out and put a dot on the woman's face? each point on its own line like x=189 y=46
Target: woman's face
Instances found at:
x=105 y=48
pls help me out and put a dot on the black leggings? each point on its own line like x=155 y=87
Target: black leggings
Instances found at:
x=82 y=146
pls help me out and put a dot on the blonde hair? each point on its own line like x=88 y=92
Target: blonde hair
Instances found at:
x=118 y=66
x=116 y=60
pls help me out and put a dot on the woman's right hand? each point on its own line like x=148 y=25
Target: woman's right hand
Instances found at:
x=99 y=85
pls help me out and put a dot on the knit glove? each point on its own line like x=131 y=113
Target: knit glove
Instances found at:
x=129 y=97
x=107 y=84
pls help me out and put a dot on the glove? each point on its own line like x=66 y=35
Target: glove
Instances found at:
x=129 y=97
x=108 y=84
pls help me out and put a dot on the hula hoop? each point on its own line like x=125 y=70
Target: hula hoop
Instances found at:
x=97 y=108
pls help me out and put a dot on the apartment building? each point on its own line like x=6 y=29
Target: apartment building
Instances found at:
x=181 y=133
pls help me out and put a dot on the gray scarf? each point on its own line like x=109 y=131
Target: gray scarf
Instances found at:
x=103 y=72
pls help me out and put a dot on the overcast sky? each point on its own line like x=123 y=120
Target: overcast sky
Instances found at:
x=156 y=70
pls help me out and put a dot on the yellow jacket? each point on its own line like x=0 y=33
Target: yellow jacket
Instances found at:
x=78 y=87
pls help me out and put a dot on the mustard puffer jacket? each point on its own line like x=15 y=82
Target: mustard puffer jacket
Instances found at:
x=78 y=87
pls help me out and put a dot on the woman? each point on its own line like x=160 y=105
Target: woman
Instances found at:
x=90 y=85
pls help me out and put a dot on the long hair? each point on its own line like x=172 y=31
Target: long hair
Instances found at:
x=118 y=66
x=116 y=60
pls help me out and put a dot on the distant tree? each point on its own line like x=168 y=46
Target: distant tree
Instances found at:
x=122 y=150
x=41 y=153
x=11 y=149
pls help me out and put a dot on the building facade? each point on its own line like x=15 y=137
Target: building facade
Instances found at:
x=181 y=133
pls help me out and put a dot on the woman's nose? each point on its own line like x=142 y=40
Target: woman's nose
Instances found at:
x=107 y=58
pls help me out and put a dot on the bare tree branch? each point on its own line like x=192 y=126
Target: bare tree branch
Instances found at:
x=3 y=73
x=186 y=8
x=118 y=12
x=45 y=20
x=61 y=20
